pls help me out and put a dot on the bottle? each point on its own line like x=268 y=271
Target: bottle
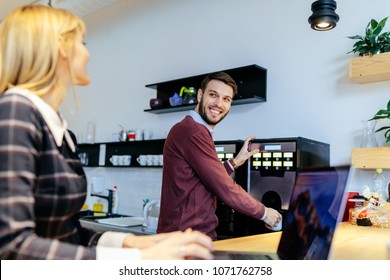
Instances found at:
x=115 y=200
x=379 y=185
x=388 y=193
x=98 y=206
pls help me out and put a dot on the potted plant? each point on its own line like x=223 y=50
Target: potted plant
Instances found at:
x=374 y=41
x=383 y=114
x=373 y=63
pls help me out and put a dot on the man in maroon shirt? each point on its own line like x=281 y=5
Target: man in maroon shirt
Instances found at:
x=193 y=176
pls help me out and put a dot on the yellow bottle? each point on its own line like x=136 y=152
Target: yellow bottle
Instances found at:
x=98 y=206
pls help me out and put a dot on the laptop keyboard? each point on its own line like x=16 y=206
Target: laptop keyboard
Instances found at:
x=246 y=256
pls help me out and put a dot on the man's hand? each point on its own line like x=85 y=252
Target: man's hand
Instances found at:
x=272 y=218
x=243 y=155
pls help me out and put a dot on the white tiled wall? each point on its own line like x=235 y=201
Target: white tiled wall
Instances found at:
x=134 y=185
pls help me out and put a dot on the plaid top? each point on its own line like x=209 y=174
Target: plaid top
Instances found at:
x=42 y=184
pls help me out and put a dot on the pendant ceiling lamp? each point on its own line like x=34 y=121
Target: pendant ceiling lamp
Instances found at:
x=324 y=16
x=79 y=7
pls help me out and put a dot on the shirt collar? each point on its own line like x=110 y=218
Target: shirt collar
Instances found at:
x=57 y=125
x=199 y=119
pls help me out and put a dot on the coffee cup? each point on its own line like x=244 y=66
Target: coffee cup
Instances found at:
x=83 y=158
x=277 y=227
x=155 y=160
x=151 y=212
x=148 y=134
x=142 y=159
x=126 y=160
x=115 y=160
x=149 y=160
x=139 y=135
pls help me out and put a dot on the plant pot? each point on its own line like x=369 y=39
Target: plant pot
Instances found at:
x=371 y=68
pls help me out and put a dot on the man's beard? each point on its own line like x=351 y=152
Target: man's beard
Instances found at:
x=202 y=113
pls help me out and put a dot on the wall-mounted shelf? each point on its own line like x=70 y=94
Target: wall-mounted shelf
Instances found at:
x=371 y=158
x=251 y=82
x=369 y=69
x=102 y=152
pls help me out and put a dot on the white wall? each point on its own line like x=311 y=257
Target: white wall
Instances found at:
x=133 y=186
x=136 y=42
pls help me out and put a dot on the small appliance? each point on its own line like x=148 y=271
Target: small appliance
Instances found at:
x=269 y=176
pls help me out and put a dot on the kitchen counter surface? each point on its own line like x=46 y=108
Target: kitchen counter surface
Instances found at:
x=350 y=242
x=93 y=225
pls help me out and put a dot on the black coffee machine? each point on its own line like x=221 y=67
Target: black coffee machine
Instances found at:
x=269 y=176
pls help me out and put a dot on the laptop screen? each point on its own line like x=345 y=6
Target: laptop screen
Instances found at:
x=313 y=213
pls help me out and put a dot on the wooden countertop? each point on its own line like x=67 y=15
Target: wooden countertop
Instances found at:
x=350 y=242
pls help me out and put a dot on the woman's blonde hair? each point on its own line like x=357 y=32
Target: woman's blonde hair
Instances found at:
x=30 y=39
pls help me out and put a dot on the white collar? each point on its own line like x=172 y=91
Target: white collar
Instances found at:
x=199 y=119
x=57 y=125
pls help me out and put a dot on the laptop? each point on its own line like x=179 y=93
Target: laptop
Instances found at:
x=316 y=206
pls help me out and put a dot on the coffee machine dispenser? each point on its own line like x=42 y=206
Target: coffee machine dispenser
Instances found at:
x=269 y=176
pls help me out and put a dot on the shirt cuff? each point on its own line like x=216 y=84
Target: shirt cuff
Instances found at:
x=110 y=247
x=112 y=239
x=106 y=253
x=230 y=165
x=265 y=214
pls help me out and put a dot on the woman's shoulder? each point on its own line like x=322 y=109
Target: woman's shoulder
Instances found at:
x=15 y=99
x=16 y=106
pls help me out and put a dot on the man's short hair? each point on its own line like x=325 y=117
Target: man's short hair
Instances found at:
x=219 y=76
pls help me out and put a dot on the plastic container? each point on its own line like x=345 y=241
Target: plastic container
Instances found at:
x=98 y=206
x=388 y=193
x=379 y=185
x=115 y=200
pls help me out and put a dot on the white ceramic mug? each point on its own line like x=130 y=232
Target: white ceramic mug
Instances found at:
x=139 y=135
x=142 y=160
x=115 y=160
x=126 y=160
x=278 y=227
x=148 y=134
x=151 y=222
x=90 y=135
x=155 y=160
x=149 y=160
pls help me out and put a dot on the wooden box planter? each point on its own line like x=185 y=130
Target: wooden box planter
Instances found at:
x=369 y=69
x=371 y=158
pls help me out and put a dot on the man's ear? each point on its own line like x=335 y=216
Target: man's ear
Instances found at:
x=199 y=95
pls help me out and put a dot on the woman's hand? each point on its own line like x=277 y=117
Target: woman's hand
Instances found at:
x=144 y=241
x=172 y=246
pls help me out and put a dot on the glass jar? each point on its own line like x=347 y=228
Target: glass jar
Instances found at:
x=368 y=140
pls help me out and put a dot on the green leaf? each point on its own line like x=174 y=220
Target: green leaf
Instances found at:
x=382 y=23
x=382 y=128
x=383 y=112
x=374 y=41
x=377 y=30
x=356 y=37
x=387 y=136
x=388 y=105
x=373 y=23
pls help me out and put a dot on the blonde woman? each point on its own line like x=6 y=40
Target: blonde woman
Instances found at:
x=42 y=183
